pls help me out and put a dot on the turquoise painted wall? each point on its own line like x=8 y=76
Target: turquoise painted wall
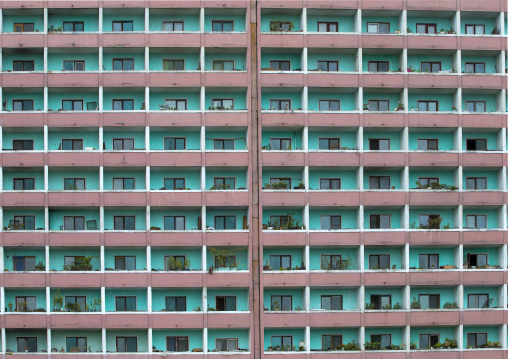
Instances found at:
x=395 y=216
x=191 y=217
x=489 y=23
x=90 y=139
x=446 y=255
x=111 y=335
x=348 y=217
x=415 y=61
x=492 y=253
x=295 y=136
x=445 y=139
x=39 y=216
x=297 y=213
x=139 y=138
x=90 y=295
x=55 y=62
x=393 y=20
x=138 y=97
x=190 y=21
x=241 y=177
x=8 y=58
x=239 y=60
x=296 y=293
x=348 y=335
x=10 y=20
x=491 y=291
x=445 y=294
x=441 y=22
x=394 y=177
x=137 y=19
x=242 y=297
x=37 y=137
x=346 y=23
x=295 y=253
x=297 y=334
x=238 y=21
x=91 y=21
x=396 y=333
x=295 y=98
x=139 y=214
x=444 y=332
x=111 y=252
x=40 y=294
x=394 y=98
x=490 y=101
x=345 y=252
x=192 y=178
x=445 y=177
x=346 y=61
x=491 y=138
x=239 y=137
x=348 y=298
x=295 y=59
x=37 y=174
x=395 y=292
x=192 y=298
x=492 y=333
x=157 y=138
x=193 y=255
x=446 y=215
x=139 y=178
x=348 y=178
x=94 y=338
x=56 y=179
x=57 y=257
x=241 y=334
x=195 y=337
x=139 y=59
x=140 y=295
x=347 y=100
x=491 y=215
x=239 y=213
x=265 y=21
x=9 y=253
x=11 y=336
x=55 y=99
x=241 y=254
x=296 y=176
x=191 y=60
x=393 y=60
x=347 y=139
x=237 y=96
x=394 y=252
x=490 y=175
x=394 y=138
x=37 y=97
x=490 y=63
x=445 y=101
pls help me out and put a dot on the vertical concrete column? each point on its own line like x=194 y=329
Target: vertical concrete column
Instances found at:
x=460 y=296
x=101 y=218
x=457 y=62
x=202 y=22
x=406 y=337
x=307 y=339
x=45 y=20
x=103 y=300
x=359 y=99
x=404 y=139
x=45 y=59
x=458 y=256
x=149 y=299
x=148 y=257
x=45 y=106
x=361 y=258
x=458 y=217
x=305 y=99
x=304 y=62
x=103 y=259
x=502 y=258
x=458 y=178
x=361 y=337
x=147 y=18
x=405 y=178
x=202 y=59
x=103 y=337
x=458 y=336
x=306 y=302
x=405 y=224
x=204 y=299
x=406 y=298
x=307 y=259
x=101 y=139
x=48 y=298
x=203 y=178
x=203 y=221
x=1 y=27
x=500 y=24
x=359 y=179
x=305 y=138
x=303 y=20
x=48 y=339
x=100 y=20
x=46 y=219
x=358 y=21
x=305 y=218
x=46 y=259
x=405 y=258
x=2 y=298
x=150 y=349
x=205 y=340
x=46 y=178
x=45 y=135
x=101 y=67
x=147 y=99
x=305 y=178
x=502 y=335
x=101 y=178
x=203 y=258
x=458 y=100
x=359 y=139
x=360 y=218
x=101 y=96
x=2 y=267
x=403 y=22
x=457 y=139
x=202 y=99
x=456 y=22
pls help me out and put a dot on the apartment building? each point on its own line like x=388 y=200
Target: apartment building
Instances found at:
x=247 y=179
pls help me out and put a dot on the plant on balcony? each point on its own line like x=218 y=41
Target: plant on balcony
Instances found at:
x=351 y=346
x=154 y=228
x=267 y=266
x=72 y=307
x=300 y=186
x=449 y=344
x=22 y=307
x=220 y=187
x=75 y=350
x=221 y=256
x=372 y=346
x=83 y=265
x=366 y=106
x=40 y=266
x=58 y=301
x=415 y=304
x=276 y=185
x=10 y=306
x=397 y=306
x=276 y=305
x=344 y=264
x=14 y=227
x=197 y=350
x=176 y=264
x=409 y=31
x=370 y=306
x=281 y=24
x=450 y=305
x=400 y=107
x=387 y=306
x=490 y=344
x=95 y=305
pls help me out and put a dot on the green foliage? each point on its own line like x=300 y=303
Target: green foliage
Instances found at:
x=40 y=266
x=450 y=305
x=397 y=306
x=370 y=306
x=82 y=265
x=58 y=299
x=176 y=264
x=415 y=304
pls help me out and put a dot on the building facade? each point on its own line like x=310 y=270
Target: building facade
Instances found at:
x=254 y=179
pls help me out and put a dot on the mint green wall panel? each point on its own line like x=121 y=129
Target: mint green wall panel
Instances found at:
x=241 y=254
x=10 y=20
x=394 y=177
x=10 y=252
x=40 y=297
x=491 y=138
x=346 y=23
x=490 y=213
x=346 y=253
x=492 y=333
x=111 y=252
x=444 y=332
x=55 y=63
x=445 y=177
x=394 y=252
x=347 y=178
x=140 y=295
x=490 y=63
x=93 y=338
x=238 y=98
x=441 y=22
x=57 y=257
x=157 y=139
x=238 y=21
x=90 y=139
x=266 y=19
x=39 y=215
x=296 y=212
x=296 y=254
x=190 y=21
x=492 y=254
x=295 y=59
x=240 y=176
x=195 y=337
x=297 y=295
x=415 y=61
x=348 y=297
x=298 y=335
x=192 y=178
x=91 y=21
x=141 y=334
x=192 y=254
x=90 y=294
x=138 y=97
x=37 y=58
x=139 y=60
x=240 y=138
x=36 y=174
x=192 y=298
x=139 y=178
x=490 y=175
x=347 y=100
x=242 y=297
x=348 y=335
x=11 y=336
x=393 y=61
x=37 y=97
x=392 y=20
x=241 y=334
x=191 y=60
x=394 y=138
x=56 y=179
x=445 y=101
x=37 y=137
x=138 y=136
x=347 y=139
x=137 y=19
x=346 y=61
x=446 y=256
x=239 y=60
x=445 y=139
x=237 y=212
x=295 y=136
x=395 y=216
x=296 y=177
x=445 y=214
x=348 y=217
x=445 y=294
x=139 y=214
x=491 y=291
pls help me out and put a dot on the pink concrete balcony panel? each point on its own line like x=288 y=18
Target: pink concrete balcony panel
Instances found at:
x=482 y=120
x=227 y=198
x=120 y=119
x=26 y=4
x=283 y=238
x=431 y=5
x=294 y=40
x=433 y=197
x=332 y=355
x=483 y=159
x=22 y=159
x=483 y=354
x=74 y=199
x=471 y=5
x=22 y=80
x=227 y=3
x=318 y=238
x=483 y=317
x=226 y=40
x=25 y=321
x=282 y=355
x=23 y=199
x=73 y=158
x=228 y=279
x=125 y=198
x=483 y=237
x=279 y=79
x=284 y=198
x=331 y=4
x=176 y=198
x=284 y=279
x=92 y=4
x=127 y=4
x=335 y=319
x=75 y=280
x=334 y=278
x=227 y=118
x=344 y=41
x=432 y=42
x=384 y=277
x=23 y=238
x=232 y=158
x=73 y=40
x=384 y=198
x=172 y=320
x=283 y=119
x=77 y=238
x=125 y=239
x=188 y=279
x=75 y=321
x=434 y=237
x=176 y=239
x=385 y=238
x=125 y=39
x=333 y=198
x=483 y=198
x=376 y=119
x=434 y=318
x=335 y=158
x=173 y=118
x=483 y=277
x=383 y=41
x=127 y=321
x=383 y=80
x=384 y=159
x=434 y=277
x=433 y=159
x=228 y=79
x=285 y=320
x=228 y=320
x=174 y=40
x=174 y=79
x=424 y=81
x=225 y=238
x=177 y=159
x=24 y=280
x=182 y=355
x=125 y=158
x=482 y=42
x=22 y=41
x=73 y=119
x=124 y=79
x=332 y=80
x=121 y=280
x=171 y=4
x=333 y=119
x=422 y=119
x=483 y=81
x=435 y=354
x=385 y=319
x=70 y=79
x=389 y=4
x=289 y=4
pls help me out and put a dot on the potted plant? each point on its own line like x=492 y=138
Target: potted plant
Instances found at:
x=400 y=107
x=58 y=301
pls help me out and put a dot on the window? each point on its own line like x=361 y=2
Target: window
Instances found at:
x=222 y=25
x=123 y=144
x=72 y=105
x=280 y=220
x=281 y=302
x=28 y=222
x=226 y=345
x=280 y=144
x=127 y=344
x=428 y=341
x=23 y=263
x=476 y=183
x=22 y=105
x=426 y=28
x=379 y=261
x=280 y=105
x=173 y=143
x=331 y=222
x=284 y=26
x=478 y=301
x=172 y=26
x=123 y=64
x=475 y=67
x=329 y=105
x=177 y=344
x=329 y=143
x=78 y=303
x=176 y=304
x=379 y=182
x=331 y=261
x=430 y=66
x=23 y=184
x=173 y=64
x=72 y=145
x=125 y=304
x=379 y=221
x=428 y=144
x=224 y=182
x=281 y=65
x=429 y=301
x=174 y=223
x=125 y=262
x=328 y=66
x=74 y=184
x=24 y=27
x=428 y=261
x=223 y=65
x=328 y=27
x=427 y=106
x=379 y=27
x=380 y=301
x=285 y=342
x=378 y=144
x=426 y=221
x=476 y=221
x=25 y=303
x=20 y=65
x=476 y=144
x=225 y=303
x=123 y=183
x=224 y=104
x=23 y=145
x=123 y=26
x=280 y=261
x=329 y=183
x=174 y=262
x=287 y=181
x=73 y=261
x=123 y=223
x=73 y=26
x=76 y=342
x=379 y=66
x=223 y=144
x=475 y=29
x=475 y=106
x=123 y=105
x=330 y=342
x=74 y=65
x=225 y=261
x=428 y=181
x=225 y=222
x=331 y=302
x=476 y=340
x=174 y=183
x=28 y=343
x=379 y=105
x=385 y=340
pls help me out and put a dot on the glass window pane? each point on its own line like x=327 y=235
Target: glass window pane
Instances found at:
x=470 y=221
x=219 y=222
x=372 y=28
x=129 y=223
x=480 y=106
x=128 y=105
x=421 y=28
x=384 y=28
x=383 y=105
x=325 y=222
x=384 y=183
x=436 y=67
x=128 y=64
x=128 y=183
x=384 y=66
x=180 y=223
x=230 y=222
x=227 y=26
x=432 y=106
x=127 y=26
x=481 y=221
x=384 y=145
x=479 y=68
x=470 y=106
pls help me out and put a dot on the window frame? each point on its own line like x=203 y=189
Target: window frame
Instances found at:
x=173 y=60
x=476 y=221
x=122 y=23
x=332 y=217
x=23 y=142
x=429 y=218
x=227 y=344
x=122 y=59
x=223 y=140
x=380 y=221
x=377 y=23
x=427 y=103
x=23 y=63
x=280 y=139
x=372 y=256
x=177 y=303
x=379 y=180
x=74 y=185
x=279 y=63
x=225 y=219
x=474 y=64
x=221 y=100
x=273 y=298
x=222 y=25
x=123 y=179
x=428 y=261
x=25 y=300
x=75 y=299
x=22 y=25
x=177 y=340
x=74 y=102
x=74 y=63
x=225 y=298
x=378 y=102
x=377 y=63
x=427 y=26
x=125 y=298
x=331 y=302
x=22 y=101
x=223 y=179
x=485 y=304
x=68 y=350
x=475 y=26
x=282 y=338
x=74 y=225
x=174 y=179
x=221 y=62
x=330 y=184
x=280 y=103
x=175 y=139
x=123 y=101
x=431 y=65
x=329 y=103
x=280 y=26
x=125 y=338
x=22 y=220
x=18 y=260
x=332 y=264
x=224 y=261
x=175 y=222
x=73 y=140
x=372 y=142
x=381 y=335
x=427 y=140
x=280 y=258
x=123 y=144
x=438 y=306
x=124 y=258
x=124 y=217
x=428 y=181
x=330 y=147
x=475 y=179
x=379 y=297
x=24 y=179
x=468 y=141
x=476 y=103
x=469 y=255
x=429 y=341
x=73 y=26
x=328 y=63
x=476 y=339
x=328 y=23
x=26 y=345
x=173 y=25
